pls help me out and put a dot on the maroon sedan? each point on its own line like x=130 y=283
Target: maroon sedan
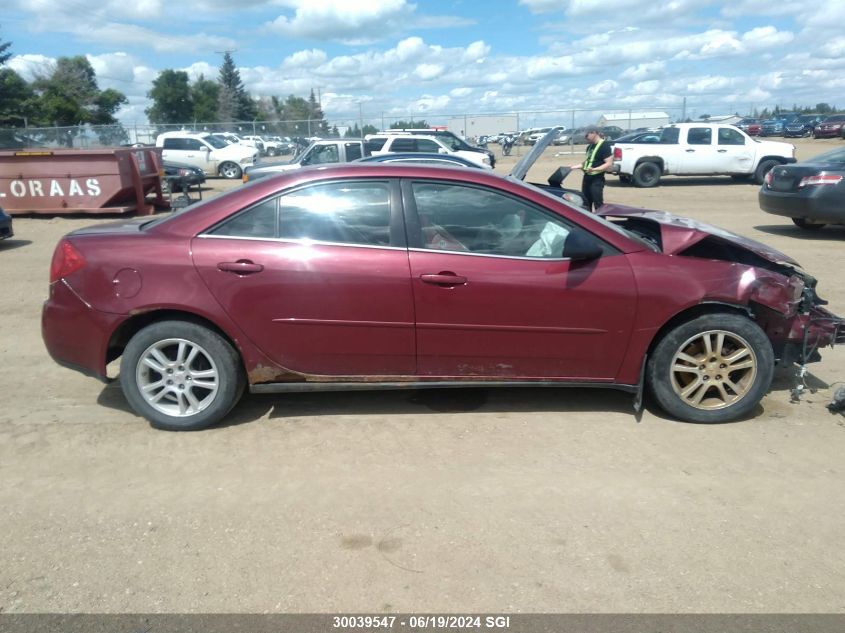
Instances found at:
x=379 y=276
x=831 y=127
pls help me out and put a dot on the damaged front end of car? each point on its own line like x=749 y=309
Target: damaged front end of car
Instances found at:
x=771 y=287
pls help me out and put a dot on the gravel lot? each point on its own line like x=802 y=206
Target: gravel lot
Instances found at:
x=465 y=500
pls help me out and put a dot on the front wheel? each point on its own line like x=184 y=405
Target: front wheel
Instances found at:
x=714 y=368
x=646 y=175
x=230 y=170
x=181 y=376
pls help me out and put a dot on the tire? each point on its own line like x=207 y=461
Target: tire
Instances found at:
x=230 y=170
x=721 y=385
x=646 y=175
x=764 y=168
x=806 y=224
x=272 y=152
x=181 y=396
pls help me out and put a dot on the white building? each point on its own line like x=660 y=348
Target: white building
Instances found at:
x=633 y=120
x=726 y=119
x=482 y=125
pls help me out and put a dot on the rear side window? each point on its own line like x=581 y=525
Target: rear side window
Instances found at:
x=375 y=144
x=353 y=151
x=425 y=145
x=669 y=136
x=174 y=143
x=343 y=212
x=404 y=145
x=700 y=136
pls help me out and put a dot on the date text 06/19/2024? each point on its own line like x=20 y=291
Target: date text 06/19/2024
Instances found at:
x=420 y=622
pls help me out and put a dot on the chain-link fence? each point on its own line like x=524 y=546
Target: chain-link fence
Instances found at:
x=476 y=127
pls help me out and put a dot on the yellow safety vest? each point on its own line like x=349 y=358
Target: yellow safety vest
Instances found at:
x=591 y=157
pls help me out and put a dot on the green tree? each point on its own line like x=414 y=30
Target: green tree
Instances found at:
x=4 y=56
x=402 y=125
x=233 y=102
x=17 y=100
x=70 y=96
x=172 y=99
x=205 y=94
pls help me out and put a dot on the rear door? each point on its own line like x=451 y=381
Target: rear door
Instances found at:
x=318 y=278
x=699 y=153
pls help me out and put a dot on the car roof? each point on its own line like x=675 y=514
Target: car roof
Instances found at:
x=418 y=156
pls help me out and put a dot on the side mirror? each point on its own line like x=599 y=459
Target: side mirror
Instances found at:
x=305 y=160
x=205 y=148
x=442 y=151
x=581 y=246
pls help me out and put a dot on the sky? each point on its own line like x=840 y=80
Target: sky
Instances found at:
x=369 y=60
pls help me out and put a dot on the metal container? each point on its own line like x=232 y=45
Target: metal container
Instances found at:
x=106 y=180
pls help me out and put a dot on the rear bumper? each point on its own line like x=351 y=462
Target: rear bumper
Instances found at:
x=75 y=334
x=819 y=203
x=6 y=228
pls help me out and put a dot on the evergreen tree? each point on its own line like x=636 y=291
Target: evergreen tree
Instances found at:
x=233 y=102
x=4 y=56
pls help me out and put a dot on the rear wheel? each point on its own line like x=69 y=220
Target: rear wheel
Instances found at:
x=230 y=170
x=646 y=175
x=181 y=376
x=764 y=168
x=715 y=368
x=807 y=224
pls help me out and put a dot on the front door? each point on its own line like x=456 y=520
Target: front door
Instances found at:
x=318 y=278
x=494 y=297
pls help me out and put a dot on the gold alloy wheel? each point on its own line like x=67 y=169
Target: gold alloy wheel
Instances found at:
x=713 y=370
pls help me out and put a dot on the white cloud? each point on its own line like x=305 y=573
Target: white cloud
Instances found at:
x=305 y=59
x=460 y=92
x=428 y=72
x=644 y=71
x=355 y=22
x=31 y=66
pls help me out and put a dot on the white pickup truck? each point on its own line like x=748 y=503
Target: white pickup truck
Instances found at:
x=699 y=149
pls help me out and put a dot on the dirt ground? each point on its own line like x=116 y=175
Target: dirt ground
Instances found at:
x=516 y=500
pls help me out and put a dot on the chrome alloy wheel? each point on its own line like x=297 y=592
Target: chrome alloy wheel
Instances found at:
x=177 y=377
x=713 y=370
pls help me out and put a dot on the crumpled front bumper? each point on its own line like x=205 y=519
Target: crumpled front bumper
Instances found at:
x=810 y=332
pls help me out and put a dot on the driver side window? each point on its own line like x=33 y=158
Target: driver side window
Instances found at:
x=474 y=220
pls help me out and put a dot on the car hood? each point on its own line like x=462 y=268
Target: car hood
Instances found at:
x=679 y=233
x=521 y=168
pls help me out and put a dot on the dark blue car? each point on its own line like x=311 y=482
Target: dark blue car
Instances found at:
x=5 y=225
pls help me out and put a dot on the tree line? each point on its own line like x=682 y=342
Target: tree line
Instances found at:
x=178 y=101
x=62 y=94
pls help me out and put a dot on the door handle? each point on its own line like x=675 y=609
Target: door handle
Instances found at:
x=690 y=151
x=444 y=279
x=240 y=267
x=721 y=151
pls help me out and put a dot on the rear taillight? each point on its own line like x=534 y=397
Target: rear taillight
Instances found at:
x=66 y=261
x=822 y=179
x=617 y=153
x=768 y=178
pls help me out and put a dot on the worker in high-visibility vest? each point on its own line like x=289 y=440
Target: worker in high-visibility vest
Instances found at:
x=598 y=162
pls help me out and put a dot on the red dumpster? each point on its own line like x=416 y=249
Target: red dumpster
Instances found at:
x=107 y=180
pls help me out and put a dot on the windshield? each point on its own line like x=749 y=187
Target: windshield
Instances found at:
x=215 y=142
